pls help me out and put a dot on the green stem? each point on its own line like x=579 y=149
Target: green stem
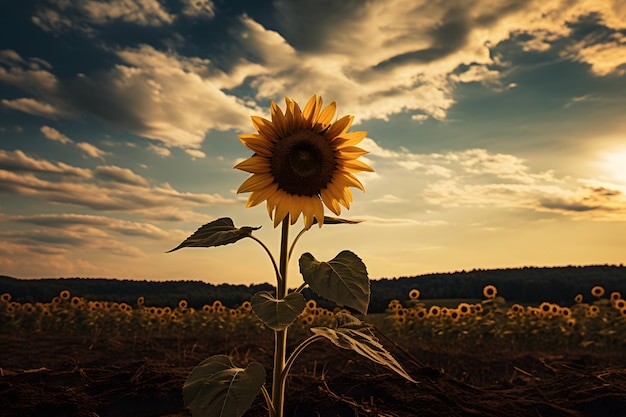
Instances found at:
x=293 y=244
x=280 y=336
x=301 y=287
x=268 y=400
x=269 y=253
x=297 y=351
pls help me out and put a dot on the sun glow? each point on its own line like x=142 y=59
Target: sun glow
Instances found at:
x=614 y=164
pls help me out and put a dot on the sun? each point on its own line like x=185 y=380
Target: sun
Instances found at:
x=614 y=164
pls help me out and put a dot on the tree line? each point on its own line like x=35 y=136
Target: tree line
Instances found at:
x=527 y=285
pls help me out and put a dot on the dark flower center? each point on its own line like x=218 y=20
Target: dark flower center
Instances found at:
x=303 y=163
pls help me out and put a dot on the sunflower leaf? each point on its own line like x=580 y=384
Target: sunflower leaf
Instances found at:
x=337 y=220
x=219 y=232
x=216 y=388
x=277 y=314
x=342 y=280
x=351 y=333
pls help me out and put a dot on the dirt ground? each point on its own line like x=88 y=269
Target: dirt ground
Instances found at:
x=56 y=375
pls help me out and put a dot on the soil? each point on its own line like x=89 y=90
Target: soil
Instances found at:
x=51 y=374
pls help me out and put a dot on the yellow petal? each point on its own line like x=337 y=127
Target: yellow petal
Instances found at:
x=331 y=197
x=260 y=196
x=327 y=115
x=347 y=198
x=289 y=115
x=311 y=208
x=346 y=179
x=312 y=109
x=355 y=165
x=278 y=119
x=318 y=210
x=279 y=202
x=351 y=152
x=265 y=128
x=348 y=139
x=256 y=164
x=339 y=127
x=255 y=182
x=296 y=206
x=257 y=144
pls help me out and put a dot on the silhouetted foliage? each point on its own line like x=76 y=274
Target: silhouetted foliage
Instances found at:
x=528 y=285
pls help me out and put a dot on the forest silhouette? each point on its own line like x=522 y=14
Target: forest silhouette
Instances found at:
x=527 y=284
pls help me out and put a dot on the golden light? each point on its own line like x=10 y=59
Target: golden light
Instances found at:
x=614 y=164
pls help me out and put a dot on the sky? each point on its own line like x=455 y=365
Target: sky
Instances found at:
x=496 y=129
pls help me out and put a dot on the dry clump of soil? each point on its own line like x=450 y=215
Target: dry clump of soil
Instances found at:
x=50 y=374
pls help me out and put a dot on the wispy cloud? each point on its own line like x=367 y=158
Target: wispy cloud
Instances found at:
x=87 y=223
x=91 y=150
x=20 y=162
x=32 y=106
x=107 y=188
x=481 y=179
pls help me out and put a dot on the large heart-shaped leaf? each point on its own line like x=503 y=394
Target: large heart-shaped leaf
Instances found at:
x=216 y=388
x=343 y=279
x=278 y=314
x=353 y=334
x=219 y=232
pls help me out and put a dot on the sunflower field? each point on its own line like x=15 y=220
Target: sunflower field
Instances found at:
x=600 y=324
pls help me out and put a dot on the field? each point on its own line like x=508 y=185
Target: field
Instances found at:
x=75 y=357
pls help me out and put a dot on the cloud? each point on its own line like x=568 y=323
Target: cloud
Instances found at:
x=86 y=223
x=92 y=150
x=18 y=161
x=48 y=244
x=93 y=12
x=195 y=154
x=53 y=134
x=27 y=74
x=421 y=118
x=159 y=150
x=389 y=198
x=591 y=198
x=604 y=58
x=162 y=96
x=199 y=8
x=120 y=175
x=478 y=73
x=374 y=60
x=481 y=179
x=32 y=106
x=108 y=188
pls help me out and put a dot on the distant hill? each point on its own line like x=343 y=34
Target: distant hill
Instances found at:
x=528 y=284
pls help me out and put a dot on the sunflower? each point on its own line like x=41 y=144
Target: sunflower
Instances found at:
x=301 y=160
x=490 y=291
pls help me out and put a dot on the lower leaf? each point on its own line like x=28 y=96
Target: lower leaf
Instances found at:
x=351 y=333
x=217 y=388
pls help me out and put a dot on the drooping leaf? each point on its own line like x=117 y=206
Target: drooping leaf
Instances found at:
x=216 y=388
x=355 y=335
x=277 y=314
x=343 y=279
x=337 y=220
x=219 y=232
